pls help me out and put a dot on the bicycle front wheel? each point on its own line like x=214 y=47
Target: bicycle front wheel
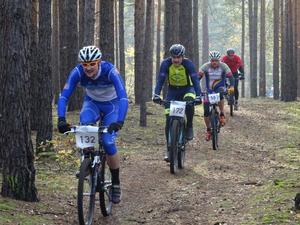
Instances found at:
x=105 y=188
x=181 y=150
x=174 y=133
x=214 y=128
x=230 y=103
x=86 y=194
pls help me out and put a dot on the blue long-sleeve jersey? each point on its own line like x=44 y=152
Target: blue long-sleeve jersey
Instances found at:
x=106 y=86
x=187 y=69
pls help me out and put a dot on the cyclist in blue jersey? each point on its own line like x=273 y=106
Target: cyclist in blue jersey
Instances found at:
x=183 y=85
x=105 y=99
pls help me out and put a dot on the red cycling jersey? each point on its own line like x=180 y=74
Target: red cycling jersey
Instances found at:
x=234 y=63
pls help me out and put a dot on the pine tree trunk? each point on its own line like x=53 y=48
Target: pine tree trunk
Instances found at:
x=148 y=58
x=276 y=50
x=81 y=5
x=186 y=28
x=171 y=25
x=205 y=37
x=107 y=30
x=243 y=45
x=253 y=8
x=33 y=67
x=295 y=5
x=55 y=52
x=262 y=55
x=171 y=29
x=290 y=85
x=89 y=22
x=195 y=33
x=71 y=50
x=121 y=40
x=254 y=75
x=283 y=50
x=139 y=35
x=158 y=33
x=16 y=149
x=44 y=130
x=296 y=42
x=117 y=57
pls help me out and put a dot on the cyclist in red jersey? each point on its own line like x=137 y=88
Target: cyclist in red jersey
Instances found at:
x=236 y=66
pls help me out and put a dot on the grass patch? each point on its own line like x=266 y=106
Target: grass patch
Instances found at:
x=22 y=219
x=6 y=205
x=12 y=214
x=273 y=202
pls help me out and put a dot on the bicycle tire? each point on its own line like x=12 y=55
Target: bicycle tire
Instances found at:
x=174 y=131
x=231 y=109
x=85 y=175
x=181 y=150
x=231 y=103
x=214 y=129
x=105 y=188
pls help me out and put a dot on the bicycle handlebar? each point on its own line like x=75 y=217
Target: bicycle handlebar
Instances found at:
x=165 y=102
x=88 y=129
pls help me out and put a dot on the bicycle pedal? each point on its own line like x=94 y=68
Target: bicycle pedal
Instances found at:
x=166 y=159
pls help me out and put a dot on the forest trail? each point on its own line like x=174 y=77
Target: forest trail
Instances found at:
x=252 y=179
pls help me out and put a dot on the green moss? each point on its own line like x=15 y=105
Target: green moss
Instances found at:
x=23 y=219
x=6 y=205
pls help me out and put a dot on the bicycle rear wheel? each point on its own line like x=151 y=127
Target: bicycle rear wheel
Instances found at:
x=86 y=194
x=105 y=188
x=174 y=133
x=214 y=128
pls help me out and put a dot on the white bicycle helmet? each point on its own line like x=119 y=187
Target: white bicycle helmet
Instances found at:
x=214 y=55
x=89 y=53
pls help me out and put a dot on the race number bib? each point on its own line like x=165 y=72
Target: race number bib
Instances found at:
x=214 y=98
x=177 y=108
x=85 y=140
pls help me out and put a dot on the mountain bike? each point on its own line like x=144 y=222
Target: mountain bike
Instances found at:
x=176 y=140
x=94 y=176
x=214 y=99
x=231 y=97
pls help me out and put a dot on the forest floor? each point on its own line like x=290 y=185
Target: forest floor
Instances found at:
x=252 y=179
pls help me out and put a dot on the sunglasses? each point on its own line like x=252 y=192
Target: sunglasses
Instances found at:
x=87 y=64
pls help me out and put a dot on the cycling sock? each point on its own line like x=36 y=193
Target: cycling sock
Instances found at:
x=115 y=176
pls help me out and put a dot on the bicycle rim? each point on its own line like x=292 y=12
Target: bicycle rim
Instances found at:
x=105 y=189
x=86 y=194
x=174 y=146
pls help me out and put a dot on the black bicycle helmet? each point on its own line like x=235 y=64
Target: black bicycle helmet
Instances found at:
x=230 y=51
x=177 y=50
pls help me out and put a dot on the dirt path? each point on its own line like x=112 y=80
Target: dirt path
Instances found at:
x=216 y=187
